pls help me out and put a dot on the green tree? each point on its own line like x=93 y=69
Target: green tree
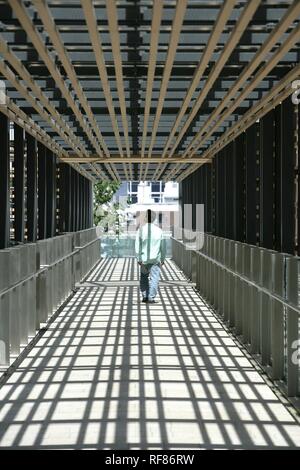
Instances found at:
x=103 y=193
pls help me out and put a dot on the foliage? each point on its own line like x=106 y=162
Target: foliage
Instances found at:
x=104 y=191
x=109 y=216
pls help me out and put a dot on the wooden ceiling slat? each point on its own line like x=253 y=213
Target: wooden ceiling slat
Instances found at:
x=239 y=29
x=173 y=42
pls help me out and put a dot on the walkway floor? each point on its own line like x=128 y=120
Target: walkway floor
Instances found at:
x=113 y=373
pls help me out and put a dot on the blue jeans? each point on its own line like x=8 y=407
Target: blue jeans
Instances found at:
x=148 y=286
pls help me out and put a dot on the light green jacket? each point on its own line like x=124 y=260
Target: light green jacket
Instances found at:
x=150 y=245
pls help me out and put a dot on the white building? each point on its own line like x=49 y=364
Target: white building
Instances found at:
x=158 y=196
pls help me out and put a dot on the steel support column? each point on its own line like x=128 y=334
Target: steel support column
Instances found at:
x=77 y=204
x=298 y=178
x=267 y=145
x=42 y=192
x=288 y=159
x=4 y=182
x=62 y=204
x=19 y=183
x=73 y=201
x=239 y=188
x=208 y=212
x=32 y=208
x=51 y=193
x=82 y=202
x=220 y=194
x=91 y=204
x=228 y=196
x=213 y=197
x=252 y=195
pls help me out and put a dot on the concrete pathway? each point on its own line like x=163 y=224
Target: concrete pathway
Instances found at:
x=113 y=373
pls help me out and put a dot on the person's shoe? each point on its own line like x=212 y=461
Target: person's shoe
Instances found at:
x=145 y=299
x=152 y=301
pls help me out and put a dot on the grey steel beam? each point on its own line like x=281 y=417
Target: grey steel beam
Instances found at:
x=42 y=192
x=51 y=194
x=19 y=184
x=288 y=165
x=252 y=168
x=32 y=203
x=267 y=146
x=4 y=182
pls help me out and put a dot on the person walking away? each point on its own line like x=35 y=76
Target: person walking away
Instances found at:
x=150 y=248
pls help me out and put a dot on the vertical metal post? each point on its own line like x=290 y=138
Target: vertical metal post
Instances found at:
x=208 y=208
x=84 y=203
x=238 y=188
x=4 y=182
x=42 y=192
x=62 y=198
x=220 y=188
x=51 y=193
x=252 y=195
x=32 y=209
x=91 y=204
x=229 y=176
x=277 y=340
x=293 y=268
x=19 y=183
x=73 y=201
x=267 y=146
x=288 y=158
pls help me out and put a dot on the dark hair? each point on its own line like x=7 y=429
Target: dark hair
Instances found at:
x=151 y=216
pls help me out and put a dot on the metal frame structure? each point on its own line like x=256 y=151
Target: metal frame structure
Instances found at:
x=144 y=80
x=253 y=184
x=192 y=90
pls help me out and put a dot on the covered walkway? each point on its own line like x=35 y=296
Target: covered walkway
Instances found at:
x=112 y=373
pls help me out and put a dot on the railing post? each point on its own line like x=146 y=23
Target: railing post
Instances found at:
x=293 y=342
x=277 y=340
x=4 y=330
x=239 y=289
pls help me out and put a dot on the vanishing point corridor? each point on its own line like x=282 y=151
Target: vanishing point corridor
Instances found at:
x=110 y=372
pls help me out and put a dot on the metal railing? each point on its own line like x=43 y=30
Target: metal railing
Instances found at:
x=35 y=279
x=256 y=292
x=123 y=246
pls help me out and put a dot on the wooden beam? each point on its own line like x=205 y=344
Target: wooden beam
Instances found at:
x=174 y=38
x=133 y=159
x=240 y=26
x=291 y=15
x=112 y=16
x=49 y=24
x=9 y=74
x=292 y=39
x=37 y=92
x=56 y=122
x=155 y=30
x=15 y=114
x=91 y=21
x=4 y=182
x=48 y=59
x=289 y=42
x=275 y=96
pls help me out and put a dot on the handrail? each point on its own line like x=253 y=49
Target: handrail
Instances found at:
x=44 y=267
x=245 y=279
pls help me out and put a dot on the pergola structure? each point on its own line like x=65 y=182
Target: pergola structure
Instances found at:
x=153 y=90
x=202 y=92
x=142 y=89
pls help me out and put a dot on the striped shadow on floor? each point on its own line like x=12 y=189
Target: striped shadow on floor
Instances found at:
x=113 y=373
